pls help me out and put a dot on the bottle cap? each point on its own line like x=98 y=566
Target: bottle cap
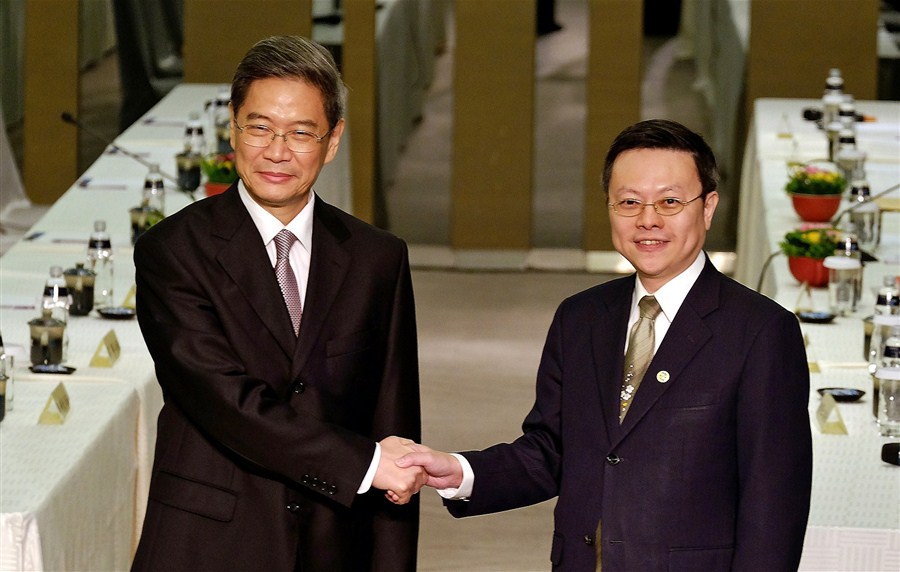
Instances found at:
x=99 y=225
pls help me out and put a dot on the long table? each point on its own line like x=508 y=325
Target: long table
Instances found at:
x=854 y=521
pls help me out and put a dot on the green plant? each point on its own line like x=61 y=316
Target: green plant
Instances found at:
x=811 y=243
x=812 y=180
x=219 y=168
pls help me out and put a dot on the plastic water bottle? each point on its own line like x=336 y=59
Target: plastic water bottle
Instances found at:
x=56 y=302
x=152 y=208
x=100 y=261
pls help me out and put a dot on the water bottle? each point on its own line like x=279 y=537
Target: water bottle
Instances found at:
x=193 y=134
x=865 y=216
x=55 y=303
x=100 y=262
x=833 y=96
x=888 y=300
x=152 y=207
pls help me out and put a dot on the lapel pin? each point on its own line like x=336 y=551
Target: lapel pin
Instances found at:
x=662 y=376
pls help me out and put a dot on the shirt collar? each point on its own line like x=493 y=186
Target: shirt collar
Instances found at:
x=269 y=226
x=671 y=295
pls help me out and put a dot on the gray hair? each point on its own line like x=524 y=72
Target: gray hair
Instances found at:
x=292 y=57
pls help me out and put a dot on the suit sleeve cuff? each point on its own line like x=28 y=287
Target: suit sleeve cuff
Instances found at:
x=465 y=487
x=370 y=474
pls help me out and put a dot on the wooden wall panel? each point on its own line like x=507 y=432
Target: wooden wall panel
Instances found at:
x=50 y=161
x=613 y=100
x=217 y=34
x=493 y=124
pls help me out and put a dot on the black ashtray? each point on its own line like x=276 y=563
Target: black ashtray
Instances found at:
x=843 y=394
x=117 y=313
x=816 y=317
x=52 y=368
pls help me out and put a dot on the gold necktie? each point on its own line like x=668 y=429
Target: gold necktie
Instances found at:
x=640 y=352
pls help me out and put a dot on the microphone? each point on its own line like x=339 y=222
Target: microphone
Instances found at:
x=855 y=206
x=69 y=118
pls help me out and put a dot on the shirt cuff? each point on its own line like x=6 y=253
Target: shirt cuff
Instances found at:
x=370 y=474
x=465 y=487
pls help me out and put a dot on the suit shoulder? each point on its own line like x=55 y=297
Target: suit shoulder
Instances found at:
x=611 y=289
x=347 y=226
x=736 y=294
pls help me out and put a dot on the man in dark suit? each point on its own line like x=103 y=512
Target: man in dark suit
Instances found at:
x=283 y=333
x=703 y=463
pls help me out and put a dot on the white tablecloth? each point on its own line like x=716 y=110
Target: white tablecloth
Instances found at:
x=854 y=521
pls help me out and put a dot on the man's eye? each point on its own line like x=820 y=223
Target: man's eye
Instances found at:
x=302 y=135
x=630 y=203
x=258 y=129
x=670 y=201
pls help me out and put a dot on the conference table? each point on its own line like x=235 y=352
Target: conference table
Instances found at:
x=854 y=521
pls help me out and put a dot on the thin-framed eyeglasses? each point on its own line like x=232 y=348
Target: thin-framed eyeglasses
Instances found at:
x=297 y=141
x=666 y=207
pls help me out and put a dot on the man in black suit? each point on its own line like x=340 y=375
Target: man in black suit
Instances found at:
x=702 y=463
x=283 y=333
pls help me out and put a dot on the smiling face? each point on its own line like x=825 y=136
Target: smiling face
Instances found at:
x=276 y=178
x=659 y=247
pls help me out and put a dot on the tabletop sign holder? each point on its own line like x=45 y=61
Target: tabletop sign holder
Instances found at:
x=57 y=407
x=110 y=343
x=829 y=417
x=129 y=298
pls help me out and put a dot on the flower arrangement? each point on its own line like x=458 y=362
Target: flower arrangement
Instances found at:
x=219 y=168
x=811 y=242
x=813 y=180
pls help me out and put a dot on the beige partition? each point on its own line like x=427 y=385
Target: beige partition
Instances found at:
x=217 y=33
x=50 y=162
x=491 y=191
x=360 y=75
x=793 y=44
x=613 y=100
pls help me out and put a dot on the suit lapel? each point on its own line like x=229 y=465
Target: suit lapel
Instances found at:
x=243 y=258
x=608 y=342
x=328 y=266
x=687 y=334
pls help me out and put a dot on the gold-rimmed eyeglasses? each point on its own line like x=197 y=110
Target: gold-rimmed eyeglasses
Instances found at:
x=297 y=141
x=666 y=207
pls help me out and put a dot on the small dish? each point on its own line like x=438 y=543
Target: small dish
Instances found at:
x=843 y=394
x=816 y=317
x=117 y=313
x=52 y=368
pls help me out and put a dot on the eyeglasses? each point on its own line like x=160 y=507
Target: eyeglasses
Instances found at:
x=666 y=207
x=296 y=141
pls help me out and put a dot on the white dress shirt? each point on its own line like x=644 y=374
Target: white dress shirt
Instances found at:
x=670 y=297
x=299 y=255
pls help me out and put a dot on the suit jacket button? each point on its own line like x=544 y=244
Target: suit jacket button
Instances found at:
x=293 y=507
x=332 y=489
x=613 y=459
x=299 y=387
x=305 y=479
x=588 y=539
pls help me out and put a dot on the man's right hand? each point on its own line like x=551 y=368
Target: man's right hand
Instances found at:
x=443 y=469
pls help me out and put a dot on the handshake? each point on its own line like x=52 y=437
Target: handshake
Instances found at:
x=405 y=467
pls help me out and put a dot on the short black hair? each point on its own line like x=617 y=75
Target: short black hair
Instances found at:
x=665 y=134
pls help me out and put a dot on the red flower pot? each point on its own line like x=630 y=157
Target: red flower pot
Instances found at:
x=215 y=188
x=816 y=208
x=809 y=270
